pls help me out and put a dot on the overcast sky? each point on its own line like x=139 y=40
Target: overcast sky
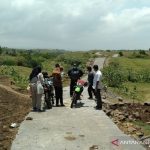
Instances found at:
x=75 y=24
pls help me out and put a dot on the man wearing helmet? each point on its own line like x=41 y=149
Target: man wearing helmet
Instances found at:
x=74 y=74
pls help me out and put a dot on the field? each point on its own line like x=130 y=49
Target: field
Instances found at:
x=130 y=77
x=18 y=64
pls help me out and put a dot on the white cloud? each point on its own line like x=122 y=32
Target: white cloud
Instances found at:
x=83 y=24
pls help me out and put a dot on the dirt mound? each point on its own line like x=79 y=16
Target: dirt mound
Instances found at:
x=127 y=116
x=13 y=108
x=5 y=80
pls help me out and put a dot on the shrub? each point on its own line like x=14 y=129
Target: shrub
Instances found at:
x=9 y=62
x=120 y=53
x=1 y=50
x=21 y=61
x=142 y=52
x=113 y=76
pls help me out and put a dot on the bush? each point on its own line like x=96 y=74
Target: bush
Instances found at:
x=132 y=76
x=113 y=76
x=9 y=62
x=120 y=54
x=21 y=61
x=33 y=63
x=1 y=50
x=142 y=52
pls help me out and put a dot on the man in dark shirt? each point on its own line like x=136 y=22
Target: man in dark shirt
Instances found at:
x=90 y=82
x=74 y=73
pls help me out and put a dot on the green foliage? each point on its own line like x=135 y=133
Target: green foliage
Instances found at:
x=80 y=58
x=142 y=52
x=135 y=75
x=139 y=54
x=13 y=52
x=120 y=53
x=21 y=61
x=138 y=76
x=1 y=50
x=9 y=62
x=30 y=61
x=14 y=60
x=132 y=76
x=10 y=71
x=144 y=126
x=113 y=76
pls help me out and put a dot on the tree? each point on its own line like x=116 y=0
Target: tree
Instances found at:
x=1 y=50
x=120 y=53
x=142 y=52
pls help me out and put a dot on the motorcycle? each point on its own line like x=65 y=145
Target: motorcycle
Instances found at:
x=78 y=89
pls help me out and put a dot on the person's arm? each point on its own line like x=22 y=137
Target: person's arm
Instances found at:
x=41 y=78
x=97 y=81
x=69 y=73
x=81 y=73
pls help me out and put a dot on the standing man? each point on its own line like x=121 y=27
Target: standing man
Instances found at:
x=57 y=82
x=97 y=86
x=74 y=73
x=90 y=82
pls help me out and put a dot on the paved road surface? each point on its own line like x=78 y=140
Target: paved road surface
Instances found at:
x=63 y=128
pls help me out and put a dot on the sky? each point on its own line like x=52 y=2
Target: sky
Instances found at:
x=75 y=24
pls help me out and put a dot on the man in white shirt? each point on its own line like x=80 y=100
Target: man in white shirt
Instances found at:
x=97 y=86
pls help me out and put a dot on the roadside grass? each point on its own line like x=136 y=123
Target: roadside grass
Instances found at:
x=23 y=71
x=144 y=126
x=128 y=92
x=134 y=91
x=134 y=64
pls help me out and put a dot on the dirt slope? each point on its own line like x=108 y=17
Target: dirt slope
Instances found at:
x=13 y=108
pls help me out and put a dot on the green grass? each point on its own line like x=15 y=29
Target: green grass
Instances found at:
x=135 y=64
x=145 y=127
x=142 y=90
x=23 y=71
x=141 y=94
x=139 y=91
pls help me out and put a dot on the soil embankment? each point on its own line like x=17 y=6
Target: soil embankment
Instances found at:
x=13 y=108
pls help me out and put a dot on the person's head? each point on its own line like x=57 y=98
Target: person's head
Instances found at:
x=74 y=66
x=89 y=68
x=95 y=67
x=39 y=69
x=35 y=72
x=45 y=74
x=57 y=65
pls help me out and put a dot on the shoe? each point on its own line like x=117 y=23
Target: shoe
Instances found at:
x=98 y=108
x=34 y=109
x=62 y=105
x=57 y=105
x=90 y=97
x=39 y=110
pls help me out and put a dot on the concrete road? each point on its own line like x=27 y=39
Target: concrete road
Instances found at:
x=63 y=128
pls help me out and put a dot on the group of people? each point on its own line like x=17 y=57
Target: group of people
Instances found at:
x=94 y=84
